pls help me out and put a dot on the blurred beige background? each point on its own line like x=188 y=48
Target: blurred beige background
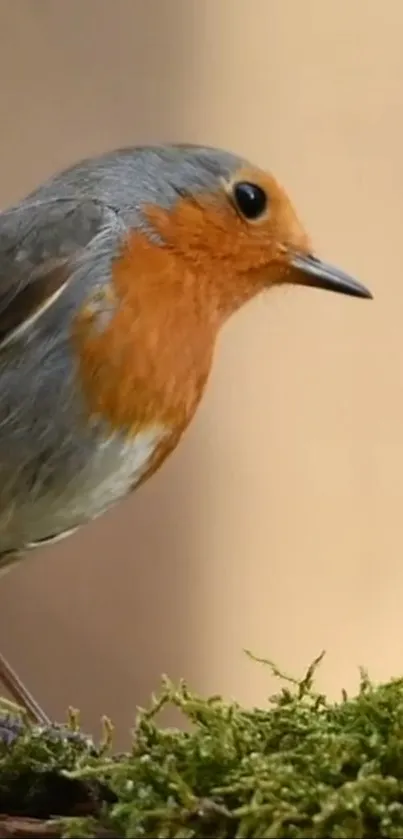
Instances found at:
x=278 y=524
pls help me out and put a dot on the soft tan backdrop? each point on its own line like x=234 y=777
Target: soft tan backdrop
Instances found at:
x=278 y=525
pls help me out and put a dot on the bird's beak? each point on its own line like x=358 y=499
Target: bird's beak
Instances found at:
x=311 y=271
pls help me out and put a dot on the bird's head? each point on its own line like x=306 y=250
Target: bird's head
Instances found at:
x=235 y=226
x=208 y=232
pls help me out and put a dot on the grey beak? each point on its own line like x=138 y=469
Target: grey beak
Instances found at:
x=314 y=272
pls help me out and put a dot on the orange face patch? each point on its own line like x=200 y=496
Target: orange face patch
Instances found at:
x=236 y=258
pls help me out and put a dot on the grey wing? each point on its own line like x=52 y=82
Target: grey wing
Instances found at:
x=39 y=241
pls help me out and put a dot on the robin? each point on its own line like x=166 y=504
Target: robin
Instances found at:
x=116 y=276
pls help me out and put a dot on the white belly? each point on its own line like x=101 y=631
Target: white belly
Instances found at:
x=112 y=471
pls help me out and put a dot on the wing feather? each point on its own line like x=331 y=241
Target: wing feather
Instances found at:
x=39 y=242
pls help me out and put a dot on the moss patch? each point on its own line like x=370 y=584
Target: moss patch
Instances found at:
x=301 y=767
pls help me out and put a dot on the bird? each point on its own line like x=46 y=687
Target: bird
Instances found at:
x=117 y=275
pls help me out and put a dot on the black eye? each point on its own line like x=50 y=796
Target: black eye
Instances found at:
x=251 y=199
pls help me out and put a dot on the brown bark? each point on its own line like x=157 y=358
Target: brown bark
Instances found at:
x=16 y=827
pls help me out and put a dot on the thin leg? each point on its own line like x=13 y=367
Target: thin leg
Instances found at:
x=24 y=703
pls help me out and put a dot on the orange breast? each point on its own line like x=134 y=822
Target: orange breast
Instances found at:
x=151 y=361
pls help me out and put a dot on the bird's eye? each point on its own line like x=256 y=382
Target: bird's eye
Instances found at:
x=250 y=199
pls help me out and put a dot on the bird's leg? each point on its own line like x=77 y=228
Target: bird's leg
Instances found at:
x=25 y=707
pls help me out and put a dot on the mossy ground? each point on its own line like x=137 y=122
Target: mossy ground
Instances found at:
x=300 y=767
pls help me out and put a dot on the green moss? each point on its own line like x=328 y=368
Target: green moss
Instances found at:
x=302 y=767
